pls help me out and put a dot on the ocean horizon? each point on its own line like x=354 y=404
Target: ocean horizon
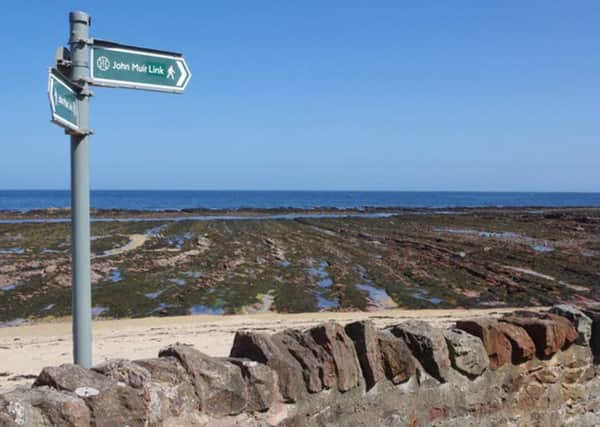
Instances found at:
x=156 y=200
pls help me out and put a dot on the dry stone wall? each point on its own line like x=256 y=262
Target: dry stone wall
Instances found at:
x=523 y=369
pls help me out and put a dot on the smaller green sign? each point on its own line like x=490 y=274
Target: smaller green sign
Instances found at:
x=63 y=101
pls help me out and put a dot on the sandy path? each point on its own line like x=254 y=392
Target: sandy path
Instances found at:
x=135 y=241
x=545 y=276
x=25 y=350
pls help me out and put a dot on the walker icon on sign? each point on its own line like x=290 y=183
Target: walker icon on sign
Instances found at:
x=171 y=73
x=117 y=65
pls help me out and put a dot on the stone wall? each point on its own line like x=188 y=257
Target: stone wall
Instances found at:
x=523 y=369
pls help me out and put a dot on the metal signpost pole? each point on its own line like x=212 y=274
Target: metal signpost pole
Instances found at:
x=80 y=196
x=111 y=65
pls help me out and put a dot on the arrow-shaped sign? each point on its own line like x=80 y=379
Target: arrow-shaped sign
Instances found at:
x=64 y=103
x=116 y=65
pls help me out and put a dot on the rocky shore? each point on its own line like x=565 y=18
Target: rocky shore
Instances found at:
x=252 y=261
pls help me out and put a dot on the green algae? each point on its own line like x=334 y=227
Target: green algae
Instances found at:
x=232 y=262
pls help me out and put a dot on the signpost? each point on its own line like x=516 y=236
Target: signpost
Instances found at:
x=115 y=65
x=108 y=64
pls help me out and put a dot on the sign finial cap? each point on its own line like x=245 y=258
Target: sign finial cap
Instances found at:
x=79 y=16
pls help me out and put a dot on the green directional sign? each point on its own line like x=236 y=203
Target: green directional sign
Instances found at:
x=114 y=65
x=64 y=103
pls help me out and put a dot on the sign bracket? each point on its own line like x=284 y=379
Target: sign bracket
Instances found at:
x=82 y=41
x=82 y=132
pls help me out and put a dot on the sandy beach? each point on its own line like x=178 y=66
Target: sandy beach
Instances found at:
x=25 y=350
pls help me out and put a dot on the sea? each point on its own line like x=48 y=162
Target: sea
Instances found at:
x=156 y=200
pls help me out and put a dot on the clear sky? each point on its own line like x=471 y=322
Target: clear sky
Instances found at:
x=356 y=95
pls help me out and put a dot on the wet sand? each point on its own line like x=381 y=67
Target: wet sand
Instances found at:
x=25 y=350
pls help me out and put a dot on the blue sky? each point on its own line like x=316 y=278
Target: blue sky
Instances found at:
x=357 y=95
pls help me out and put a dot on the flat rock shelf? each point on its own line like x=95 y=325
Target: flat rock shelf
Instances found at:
x=289 y=261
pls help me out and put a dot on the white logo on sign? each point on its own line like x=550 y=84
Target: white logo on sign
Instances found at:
x=103 y=63
x=171 y=73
